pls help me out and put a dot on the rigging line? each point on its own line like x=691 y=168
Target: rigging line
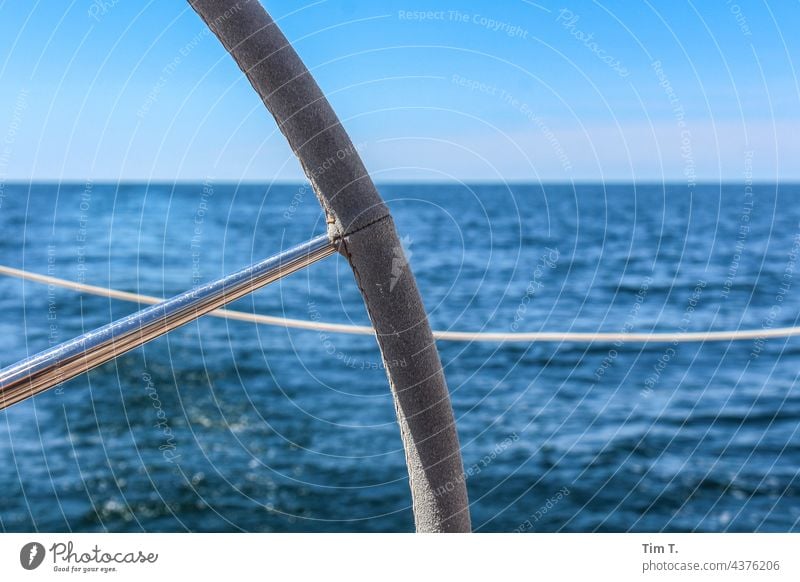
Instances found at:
x=456 y=336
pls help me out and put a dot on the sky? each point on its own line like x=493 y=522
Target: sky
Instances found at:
x=702 y=91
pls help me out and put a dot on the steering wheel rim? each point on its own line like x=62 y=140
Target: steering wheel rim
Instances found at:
x=361 y=227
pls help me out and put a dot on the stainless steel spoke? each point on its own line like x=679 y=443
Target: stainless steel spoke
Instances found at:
x=58 y=364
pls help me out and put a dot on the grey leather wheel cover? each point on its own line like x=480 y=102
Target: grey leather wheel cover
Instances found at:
x=360 y=224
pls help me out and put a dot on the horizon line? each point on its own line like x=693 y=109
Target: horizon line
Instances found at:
x=393 y=182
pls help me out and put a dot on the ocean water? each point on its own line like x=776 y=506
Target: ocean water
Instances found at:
x=227 y=426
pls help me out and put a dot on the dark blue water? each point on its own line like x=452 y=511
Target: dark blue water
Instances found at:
x=225 y=426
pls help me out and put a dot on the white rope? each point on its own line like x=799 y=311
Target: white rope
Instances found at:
x=456 y=336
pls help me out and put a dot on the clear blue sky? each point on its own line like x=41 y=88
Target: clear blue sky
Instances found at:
x=477 y=91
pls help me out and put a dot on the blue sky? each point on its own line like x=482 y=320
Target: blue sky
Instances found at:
x=512 y=90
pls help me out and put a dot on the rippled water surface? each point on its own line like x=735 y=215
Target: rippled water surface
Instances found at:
x=225 y=425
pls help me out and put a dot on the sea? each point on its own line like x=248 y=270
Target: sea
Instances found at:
x=226 y=425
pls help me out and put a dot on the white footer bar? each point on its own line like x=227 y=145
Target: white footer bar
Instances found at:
x=401 y=557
